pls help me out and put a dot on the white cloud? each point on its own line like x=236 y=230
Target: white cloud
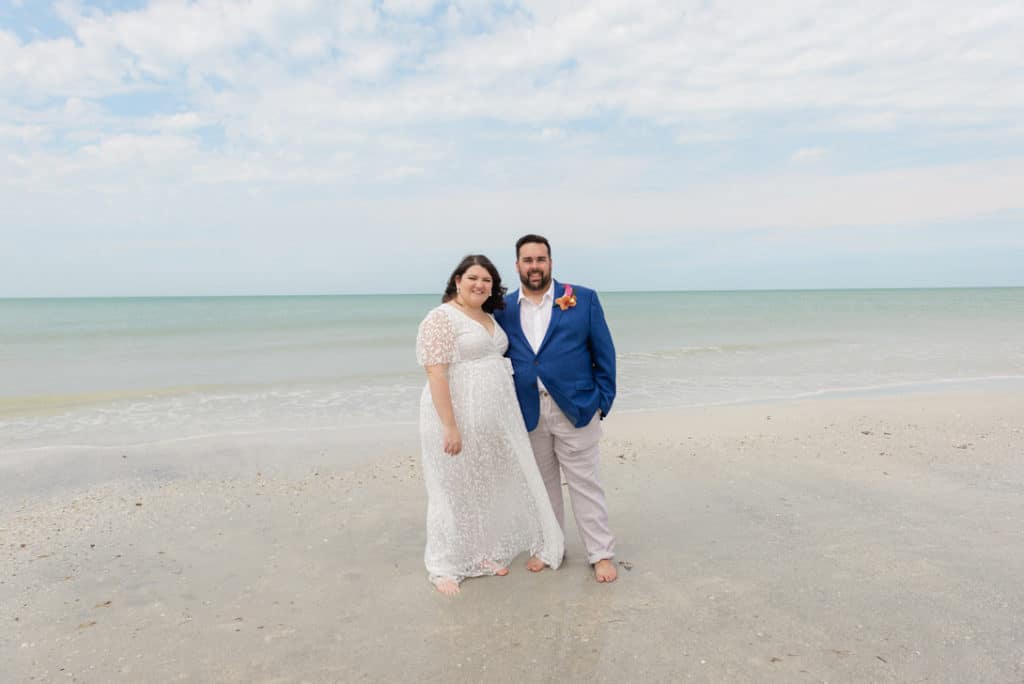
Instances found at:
x=25 y=134
x=415 y=8
x=896 y=198
x=550 y=134
x=402 y=172
x=808 y=154
x=559 y=61
x=590 y=116
x=137 y=151
x=702 y=137
x=692 y=65
x=178 y=122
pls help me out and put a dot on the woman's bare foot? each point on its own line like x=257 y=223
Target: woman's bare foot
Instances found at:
x=535 y=564
x=447 y=586
x=495 y=568
x=604 y=570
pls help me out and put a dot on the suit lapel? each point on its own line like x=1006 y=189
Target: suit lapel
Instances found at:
x=516 y=324
x=556 y=316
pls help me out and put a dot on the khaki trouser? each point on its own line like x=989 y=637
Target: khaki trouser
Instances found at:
x=557 y=442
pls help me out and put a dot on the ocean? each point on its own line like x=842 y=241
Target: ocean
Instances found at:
x=130 y=371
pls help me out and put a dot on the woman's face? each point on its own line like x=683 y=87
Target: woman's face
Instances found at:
x=475 y=286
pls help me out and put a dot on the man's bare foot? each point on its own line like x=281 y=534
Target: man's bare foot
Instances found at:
x=535 y=564
x=447 y=586
x=604 y=570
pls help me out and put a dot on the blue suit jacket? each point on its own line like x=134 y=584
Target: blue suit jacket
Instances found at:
x=576 y=360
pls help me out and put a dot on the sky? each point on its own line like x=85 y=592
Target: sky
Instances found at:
x=173 y=147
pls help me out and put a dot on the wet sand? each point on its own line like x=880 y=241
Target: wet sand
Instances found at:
x=866 y=539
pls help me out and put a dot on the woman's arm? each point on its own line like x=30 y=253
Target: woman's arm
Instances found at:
x=437 y=378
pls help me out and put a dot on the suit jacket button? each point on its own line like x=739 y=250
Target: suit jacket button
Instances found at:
x=536 y=363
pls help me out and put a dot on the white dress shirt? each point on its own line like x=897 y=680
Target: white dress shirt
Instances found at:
x=535 y=319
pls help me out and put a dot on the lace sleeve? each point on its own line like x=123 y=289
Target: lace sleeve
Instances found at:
x=435 y=341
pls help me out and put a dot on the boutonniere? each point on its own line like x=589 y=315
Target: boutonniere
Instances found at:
x=567 y=300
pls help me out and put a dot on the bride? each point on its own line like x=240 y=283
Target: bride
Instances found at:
x=486 y=501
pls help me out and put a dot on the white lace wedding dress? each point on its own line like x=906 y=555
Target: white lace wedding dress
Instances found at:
x=487 y=504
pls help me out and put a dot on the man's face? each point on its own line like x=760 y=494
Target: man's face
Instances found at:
x=534 y=266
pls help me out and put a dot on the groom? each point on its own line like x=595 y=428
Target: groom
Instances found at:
x=564 y=362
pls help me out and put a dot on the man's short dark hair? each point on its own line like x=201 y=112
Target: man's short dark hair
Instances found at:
x=540 y=239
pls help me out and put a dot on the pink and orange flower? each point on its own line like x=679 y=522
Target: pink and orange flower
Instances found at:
x=567 y=300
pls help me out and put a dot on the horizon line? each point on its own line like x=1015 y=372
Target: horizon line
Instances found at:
x=423 y=294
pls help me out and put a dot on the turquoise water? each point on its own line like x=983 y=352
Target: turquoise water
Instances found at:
x=118 y=371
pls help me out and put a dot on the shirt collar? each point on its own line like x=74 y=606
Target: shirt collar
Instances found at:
x=549 y=295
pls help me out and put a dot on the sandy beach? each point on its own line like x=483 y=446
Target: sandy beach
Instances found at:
x=836 y=540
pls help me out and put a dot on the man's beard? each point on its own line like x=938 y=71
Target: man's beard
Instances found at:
x=545 y=281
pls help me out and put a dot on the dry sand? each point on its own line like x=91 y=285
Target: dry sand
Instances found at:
x=851 y=540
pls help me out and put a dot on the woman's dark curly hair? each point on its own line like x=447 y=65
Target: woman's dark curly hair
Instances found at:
x=496 y=300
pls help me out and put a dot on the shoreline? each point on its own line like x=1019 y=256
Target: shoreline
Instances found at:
x=863 y=539
x=943 y=386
